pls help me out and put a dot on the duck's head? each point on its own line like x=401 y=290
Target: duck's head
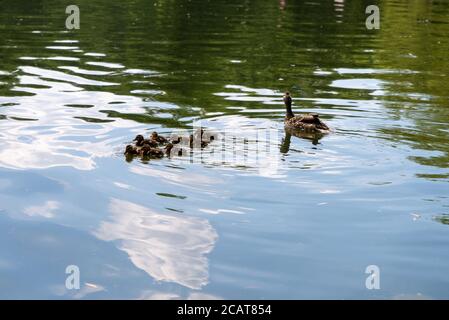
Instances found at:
x=288 y=105
x=287 y=99
x=154 y=135
x=139 y=138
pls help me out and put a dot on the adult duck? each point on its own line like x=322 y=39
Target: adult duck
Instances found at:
x=305 y=122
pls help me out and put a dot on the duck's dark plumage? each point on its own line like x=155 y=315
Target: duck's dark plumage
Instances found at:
x=131 y=150
x=147 y=151
x=171 y=150
x=305 y=122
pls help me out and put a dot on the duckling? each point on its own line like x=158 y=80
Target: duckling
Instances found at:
x=168 y=148
x=194 y=141
x=170 y=151
x=190 y=140
x=147 y=151
x=175 y=140
x=157 y=138
x=307 y=122
x=141 y=141
x=131 y=150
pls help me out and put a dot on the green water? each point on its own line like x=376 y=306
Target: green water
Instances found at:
x=302 y=220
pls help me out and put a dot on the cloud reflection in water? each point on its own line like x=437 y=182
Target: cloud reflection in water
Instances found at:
x=167 y=247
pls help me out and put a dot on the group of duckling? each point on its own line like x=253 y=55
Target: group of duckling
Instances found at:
x=158 y=146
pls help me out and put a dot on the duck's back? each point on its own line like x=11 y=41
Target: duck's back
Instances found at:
x=306 y=122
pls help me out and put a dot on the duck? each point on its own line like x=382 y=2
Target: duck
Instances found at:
x=175 y=140
x=306 y=122
x=199 y=138
x=157 y=138
x=148 y=151
x=169 y=151
x=141 y=141
x=131 y=150
x=168 y=148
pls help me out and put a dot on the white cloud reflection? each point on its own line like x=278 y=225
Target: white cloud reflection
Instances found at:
x=168 y=247
x=46 y=210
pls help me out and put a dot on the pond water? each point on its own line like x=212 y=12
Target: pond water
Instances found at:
x=302 y=220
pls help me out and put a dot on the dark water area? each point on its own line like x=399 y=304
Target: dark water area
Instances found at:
x=300 y=221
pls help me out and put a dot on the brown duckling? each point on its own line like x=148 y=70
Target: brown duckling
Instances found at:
x=175 y=140
x=307 y=122
x=191 y=140
x=170 y=150
x=194 y=139
x=147 y=151
x=131 y=150
x=157 y=138
x=141 y=141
